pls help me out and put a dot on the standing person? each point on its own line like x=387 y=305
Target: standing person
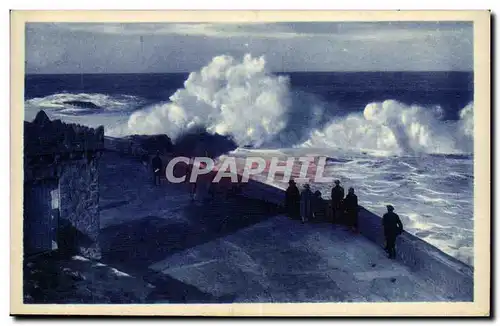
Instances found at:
x=337 y=197
x=351 y=209
x=193 y=184
x=157 y=166
x=392 y=228
x=318 y=206
x=292 y=200
x=145 y=161
x=305 y=203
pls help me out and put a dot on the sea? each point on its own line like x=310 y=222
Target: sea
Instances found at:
x=400 y=138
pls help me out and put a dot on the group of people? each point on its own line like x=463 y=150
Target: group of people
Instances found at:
x=306 y=205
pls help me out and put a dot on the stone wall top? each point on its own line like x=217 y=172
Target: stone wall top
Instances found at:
x=43 y=136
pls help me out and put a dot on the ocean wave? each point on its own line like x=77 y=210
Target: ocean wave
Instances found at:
x=81 y=104
x=401 y=129
x=242 y=99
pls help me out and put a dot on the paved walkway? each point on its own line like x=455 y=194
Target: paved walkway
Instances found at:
x=236 y=249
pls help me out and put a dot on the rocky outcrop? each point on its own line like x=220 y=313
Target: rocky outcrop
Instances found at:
x=152 y=143
x=202 y=143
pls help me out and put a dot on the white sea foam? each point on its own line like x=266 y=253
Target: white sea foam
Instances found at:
x=244 y=100
x=228 y=97
x=61 y=103
x=394 y=127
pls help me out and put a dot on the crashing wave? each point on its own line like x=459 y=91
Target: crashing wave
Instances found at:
x=243 y=100
x=398 y=128
x=234 y=98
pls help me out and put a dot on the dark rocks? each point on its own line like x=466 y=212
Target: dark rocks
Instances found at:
x=83 y=104
x=199 y=142
x=152 y=143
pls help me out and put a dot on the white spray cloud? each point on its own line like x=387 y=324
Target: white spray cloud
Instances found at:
x=395 y=127
x=228 y=97
x=243 y=100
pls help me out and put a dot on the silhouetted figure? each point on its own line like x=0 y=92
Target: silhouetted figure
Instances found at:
x=305 y=203
x=211 y=190
x=157 y=166
x=129 y=149
x=337 y=198
x=351 y=209
x=192 y=184
x=292 y=200
x=392 y=228
x=319 y=210
x=145 y=161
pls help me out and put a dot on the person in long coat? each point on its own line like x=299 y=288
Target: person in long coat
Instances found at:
x=337 y=198
x=292 y=200
x=305 y=203
x=319 y=206
x=351 y=209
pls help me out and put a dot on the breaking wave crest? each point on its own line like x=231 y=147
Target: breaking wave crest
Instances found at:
x=398 y=128
x=243 y=100
x=81 y=104
x=240 y=99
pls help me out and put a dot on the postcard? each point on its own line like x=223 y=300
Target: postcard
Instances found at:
x=261 y=163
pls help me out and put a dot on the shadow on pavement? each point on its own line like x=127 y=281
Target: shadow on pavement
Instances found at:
x=134 y=246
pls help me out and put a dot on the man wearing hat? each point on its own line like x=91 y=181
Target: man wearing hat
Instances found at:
x=351 y=209
x=392 y=228
x=337 y=198
x=292 y=200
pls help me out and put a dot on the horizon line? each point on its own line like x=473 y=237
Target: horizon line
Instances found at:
x=273 y=72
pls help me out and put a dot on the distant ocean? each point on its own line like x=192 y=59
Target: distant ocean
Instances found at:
x=403 y=138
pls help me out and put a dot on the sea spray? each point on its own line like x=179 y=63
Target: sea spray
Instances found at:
x=227 y=97
x=399 y=129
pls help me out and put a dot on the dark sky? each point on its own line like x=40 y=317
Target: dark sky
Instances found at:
x=182 y=47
